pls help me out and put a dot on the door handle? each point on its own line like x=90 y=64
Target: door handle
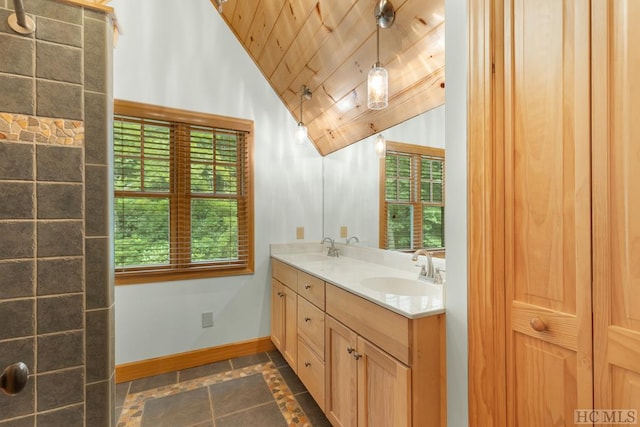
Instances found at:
x=14 y=378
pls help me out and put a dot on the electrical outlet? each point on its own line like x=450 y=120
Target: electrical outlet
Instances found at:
x=299 y=233
x=207 y=319
x=343 y=231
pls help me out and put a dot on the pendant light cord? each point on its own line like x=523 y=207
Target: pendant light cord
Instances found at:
x=378 y=41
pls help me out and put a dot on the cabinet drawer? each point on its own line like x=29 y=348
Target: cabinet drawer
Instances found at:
x=390 y=331
x=311 y=372
x=286 y=274
x=311 y=325
x=311 y=288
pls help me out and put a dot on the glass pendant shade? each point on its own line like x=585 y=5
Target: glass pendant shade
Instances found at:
x=301 y=133
x=381 y=146
x=378 y=88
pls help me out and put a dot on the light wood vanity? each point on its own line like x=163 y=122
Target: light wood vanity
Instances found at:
x=364 y=364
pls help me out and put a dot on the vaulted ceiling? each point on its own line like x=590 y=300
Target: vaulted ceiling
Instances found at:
x=329 y=46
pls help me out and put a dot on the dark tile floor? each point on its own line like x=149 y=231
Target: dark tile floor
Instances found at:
x=253 y=391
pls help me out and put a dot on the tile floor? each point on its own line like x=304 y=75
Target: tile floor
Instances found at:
x=253 y=391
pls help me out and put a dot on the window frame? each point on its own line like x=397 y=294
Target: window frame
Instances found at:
x=178 y=269
x=415 y=152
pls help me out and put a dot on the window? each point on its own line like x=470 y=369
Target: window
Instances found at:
x=412 y=197
x=182 y=194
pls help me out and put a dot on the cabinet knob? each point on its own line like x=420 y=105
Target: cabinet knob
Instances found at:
x=280 y=294
x=307 y=364
x=350 y=350
x=538 y=324
x=307 y=286
x=307 y=319
x=357 y=355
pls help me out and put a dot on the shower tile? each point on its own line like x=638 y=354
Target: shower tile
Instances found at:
x=18 y=405
x=60 y=388
x=59 y=276
x=98 y=273
x=60 y=201
x=16 y=95
x=55 y=99
x=95 y=55
x=72 y=416
x=60 y=313
x=17 y=318
x=97 y=200
x=57 y=62
x=17 y=279
x=16 y=200
x=17 y=55
x=20 y=350
x=58 y=239
x=59 y=351
x=16 y=160
x=96 y=122
x=99 y=404
x=59 y=32
x=17 y=240
x=57 y=163
x=99 y=345
x=19 y=422
x=54 y=10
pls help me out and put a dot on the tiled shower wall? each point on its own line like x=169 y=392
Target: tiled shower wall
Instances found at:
x=56 y=281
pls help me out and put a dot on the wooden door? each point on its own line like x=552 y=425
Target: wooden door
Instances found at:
x=547 y=210
x=341 y=403
x=384 y=389
x=616 y=207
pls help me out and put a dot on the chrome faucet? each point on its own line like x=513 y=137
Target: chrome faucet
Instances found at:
x=353 y=238
x=427 y=271
x=332 y=250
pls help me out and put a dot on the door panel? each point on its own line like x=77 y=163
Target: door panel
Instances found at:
x=547 y=210
x=616 y=211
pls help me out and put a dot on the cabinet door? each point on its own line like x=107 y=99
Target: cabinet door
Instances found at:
x=547 y=209
x=341 y=404
x=284 y=322
x=277 y=314
x=616 y=212
x=384 y=388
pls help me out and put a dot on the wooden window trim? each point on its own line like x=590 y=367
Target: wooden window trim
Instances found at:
x=177 y=270
x=413 y=150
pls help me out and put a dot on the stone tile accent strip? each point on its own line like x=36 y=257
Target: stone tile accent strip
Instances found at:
x=20 y=127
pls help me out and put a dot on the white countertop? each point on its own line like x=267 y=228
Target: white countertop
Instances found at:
x=356 y=264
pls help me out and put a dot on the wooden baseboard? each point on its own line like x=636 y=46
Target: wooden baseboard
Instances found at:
x=175 y=362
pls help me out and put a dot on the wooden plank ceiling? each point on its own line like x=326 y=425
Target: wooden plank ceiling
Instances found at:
x=330 y=45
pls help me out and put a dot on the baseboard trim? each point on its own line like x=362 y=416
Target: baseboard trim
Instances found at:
x=175 y=362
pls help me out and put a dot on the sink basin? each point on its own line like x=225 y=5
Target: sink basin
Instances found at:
x=401 y=286
x=311 y=257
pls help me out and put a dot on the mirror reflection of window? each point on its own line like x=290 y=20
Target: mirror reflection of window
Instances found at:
x=412 y=197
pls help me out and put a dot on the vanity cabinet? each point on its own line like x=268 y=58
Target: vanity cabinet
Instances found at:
x=364 y=364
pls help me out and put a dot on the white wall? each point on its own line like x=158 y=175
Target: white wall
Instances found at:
x=351 y=179
x=181 y=54
x=456 y=61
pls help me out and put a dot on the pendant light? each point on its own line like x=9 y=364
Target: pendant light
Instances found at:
x=381 y=146
x=301 y=130
x=378 y=79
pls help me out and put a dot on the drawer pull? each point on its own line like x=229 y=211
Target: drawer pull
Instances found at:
x=538 y=324
x=350 y=350
x=307 y=319
x=307 y=364
x=307 y=286
x=357 y=355
x=280 y=294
